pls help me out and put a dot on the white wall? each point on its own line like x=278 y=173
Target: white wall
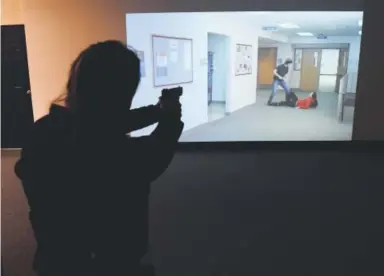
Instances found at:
x=241 y=89
x=218 y=44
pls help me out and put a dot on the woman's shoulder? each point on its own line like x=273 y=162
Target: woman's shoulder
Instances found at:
x=52 y=126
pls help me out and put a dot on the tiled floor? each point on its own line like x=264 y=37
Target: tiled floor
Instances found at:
x=216 y=111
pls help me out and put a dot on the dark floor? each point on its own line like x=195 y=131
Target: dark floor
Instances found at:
x=258 y=213
x=265 y=214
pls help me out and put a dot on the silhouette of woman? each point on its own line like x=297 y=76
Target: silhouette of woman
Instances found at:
x=86 y=182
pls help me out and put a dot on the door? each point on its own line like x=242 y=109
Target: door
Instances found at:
x=329 y=68
x=210 y=76
x=16 y=104
x=310 y=69
x=266 y=65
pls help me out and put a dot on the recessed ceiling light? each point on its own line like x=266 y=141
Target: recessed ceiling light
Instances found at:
x=289 y=26
x=305 y=34
x=360 y=32
x=360 y=23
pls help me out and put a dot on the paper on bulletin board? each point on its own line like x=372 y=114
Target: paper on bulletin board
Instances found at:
x=140 y=55
x=243 y=59
x=174 y=56
x=161 y=60
x=187 y=55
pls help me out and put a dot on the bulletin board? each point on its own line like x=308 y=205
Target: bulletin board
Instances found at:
x=244 y=59
x=172 y=60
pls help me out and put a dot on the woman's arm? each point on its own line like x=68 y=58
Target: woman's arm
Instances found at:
x=155 y=152
x=142 y=117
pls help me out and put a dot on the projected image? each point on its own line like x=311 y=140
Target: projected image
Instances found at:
x=252 y=76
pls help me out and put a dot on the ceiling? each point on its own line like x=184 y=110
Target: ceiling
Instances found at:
x=327 y=23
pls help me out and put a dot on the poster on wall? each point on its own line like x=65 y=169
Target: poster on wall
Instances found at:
x=140 y=55
x=244 y=59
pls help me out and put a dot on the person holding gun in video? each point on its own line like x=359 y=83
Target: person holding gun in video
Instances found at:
x=278 y=79
x=86 y=182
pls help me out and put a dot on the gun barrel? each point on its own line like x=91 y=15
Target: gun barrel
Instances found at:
x=176 y=92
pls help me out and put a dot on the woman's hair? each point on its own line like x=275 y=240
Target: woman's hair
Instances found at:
x=288 y=61
x=104 y=76
x=314 y=103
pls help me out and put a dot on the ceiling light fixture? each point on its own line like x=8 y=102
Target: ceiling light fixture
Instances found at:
x=360 y=22
x=289 y=26
x=305 y=34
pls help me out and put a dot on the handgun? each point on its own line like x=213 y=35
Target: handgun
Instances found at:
x=172 y=94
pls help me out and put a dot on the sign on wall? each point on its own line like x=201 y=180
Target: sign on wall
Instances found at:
x=269 y=28
x=322 y=36
x=244 y=59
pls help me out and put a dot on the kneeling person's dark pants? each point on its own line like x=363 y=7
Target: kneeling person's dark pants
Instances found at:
x=291 y=101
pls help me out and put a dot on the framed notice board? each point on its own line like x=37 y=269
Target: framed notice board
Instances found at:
x=172 y=60
x=244 y=59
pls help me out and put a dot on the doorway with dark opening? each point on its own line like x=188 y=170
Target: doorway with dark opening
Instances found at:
x=218 y=70
x=16 y=102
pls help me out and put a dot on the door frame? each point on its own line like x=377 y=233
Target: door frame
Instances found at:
x=227 y=43
x=340 y=75
x=265 y=86
x=210 y=75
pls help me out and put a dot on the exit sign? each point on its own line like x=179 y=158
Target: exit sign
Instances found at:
x=321 y=36
x=269 y=28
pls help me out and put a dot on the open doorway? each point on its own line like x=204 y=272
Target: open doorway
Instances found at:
x=266 y=63
x=218 y=70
